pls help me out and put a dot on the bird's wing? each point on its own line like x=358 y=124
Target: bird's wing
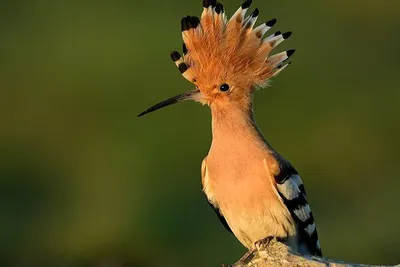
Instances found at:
x=291 y=189
x=210 y=197
x=220 y=217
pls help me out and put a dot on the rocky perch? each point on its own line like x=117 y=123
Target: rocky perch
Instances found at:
x=278 y=254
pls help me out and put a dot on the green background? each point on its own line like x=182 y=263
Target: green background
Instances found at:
x=83 y=182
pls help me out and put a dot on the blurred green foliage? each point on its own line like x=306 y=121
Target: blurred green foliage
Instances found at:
x=83 y=182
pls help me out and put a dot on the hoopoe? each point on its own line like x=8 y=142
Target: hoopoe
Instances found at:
x=256 y=193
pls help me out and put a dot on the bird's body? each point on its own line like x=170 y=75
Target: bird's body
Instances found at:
x=238 y=179
x=256 y=193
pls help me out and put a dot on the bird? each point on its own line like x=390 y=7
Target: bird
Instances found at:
x=257 y=194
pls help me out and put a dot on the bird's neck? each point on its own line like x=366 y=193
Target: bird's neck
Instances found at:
x=232 y=126
x=238 y=146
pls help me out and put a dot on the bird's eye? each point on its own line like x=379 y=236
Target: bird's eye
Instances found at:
x=224 y=87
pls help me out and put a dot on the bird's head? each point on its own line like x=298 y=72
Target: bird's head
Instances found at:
x=226 y=59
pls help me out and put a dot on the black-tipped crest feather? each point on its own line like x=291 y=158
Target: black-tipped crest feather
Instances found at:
x=270 y=23
x=219 y=8
x=184 y=48
x=255 y=13
x=286 y=35
x=183 y=67
x=290 y=52
x=175 y=56
x=246 y=4
x=189 y=22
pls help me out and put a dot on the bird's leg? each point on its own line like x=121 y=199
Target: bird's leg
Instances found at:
x=263 y=243
x=248 y=256
x=258 y=245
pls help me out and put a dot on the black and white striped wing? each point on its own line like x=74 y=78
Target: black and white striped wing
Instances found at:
x=291 y=189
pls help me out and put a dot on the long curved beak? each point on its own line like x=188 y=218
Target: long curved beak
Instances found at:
x=191 y=95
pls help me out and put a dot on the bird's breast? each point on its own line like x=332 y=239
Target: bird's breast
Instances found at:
x=243 y=187
x=239 y=183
